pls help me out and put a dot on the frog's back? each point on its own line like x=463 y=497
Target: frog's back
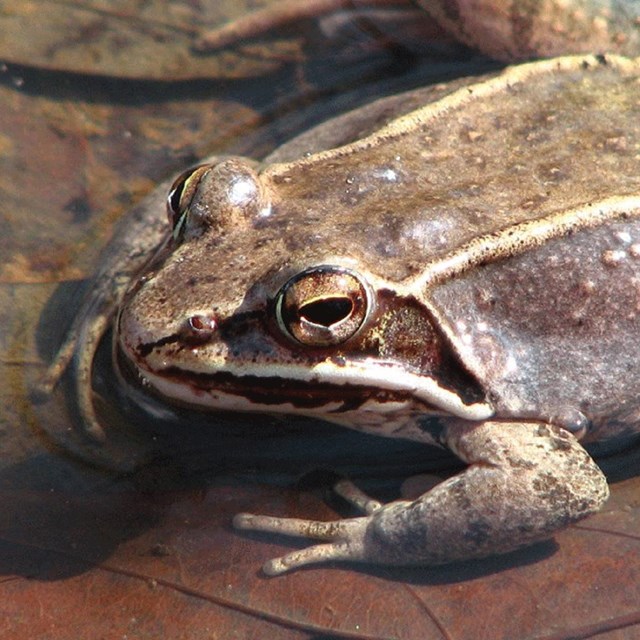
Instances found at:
x=458 y=168
x=548 y=208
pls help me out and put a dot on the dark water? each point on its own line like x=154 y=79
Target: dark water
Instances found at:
x=74 y=134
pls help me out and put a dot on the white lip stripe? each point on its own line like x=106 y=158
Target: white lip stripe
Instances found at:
x=509 y=241
x=367 y=373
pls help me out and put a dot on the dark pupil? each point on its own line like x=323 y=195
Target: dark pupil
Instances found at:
x=326 y=312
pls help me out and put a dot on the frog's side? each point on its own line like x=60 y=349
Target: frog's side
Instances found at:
x=469 y=272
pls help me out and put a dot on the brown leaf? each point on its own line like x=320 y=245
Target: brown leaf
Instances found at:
x=85 y=553
x=167 y=562
x=123 y=39
x=81 y=154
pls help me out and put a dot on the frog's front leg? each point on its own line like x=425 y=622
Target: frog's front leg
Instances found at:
x=525 y=481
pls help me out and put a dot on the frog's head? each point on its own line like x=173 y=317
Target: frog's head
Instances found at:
x=252 y=307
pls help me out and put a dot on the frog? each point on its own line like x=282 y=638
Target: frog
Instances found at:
x=457 y=265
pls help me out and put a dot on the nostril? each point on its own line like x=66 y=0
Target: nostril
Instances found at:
x=199 y=328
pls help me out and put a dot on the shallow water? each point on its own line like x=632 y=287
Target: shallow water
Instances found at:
x=78 y=147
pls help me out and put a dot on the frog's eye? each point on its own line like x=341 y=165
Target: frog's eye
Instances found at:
x=181 y=194
x=322 y=306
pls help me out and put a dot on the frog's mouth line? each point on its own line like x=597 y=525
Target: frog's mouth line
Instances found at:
x=323 y=390
x=275 y=391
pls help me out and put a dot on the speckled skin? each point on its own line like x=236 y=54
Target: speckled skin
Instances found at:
x=499 y=231
x=496 y=234
x=524 y=482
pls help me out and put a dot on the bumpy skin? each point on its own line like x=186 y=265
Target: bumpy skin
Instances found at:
x=524 y=481
x=505 y=275
x=502 y=244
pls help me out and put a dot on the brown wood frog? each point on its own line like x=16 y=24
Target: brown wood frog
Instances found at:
x=457 y=265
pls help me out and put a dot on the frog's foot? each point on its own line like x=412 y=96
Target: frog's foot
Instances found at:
x=79 y=351
x=344 y=536
x=273 y=17
x=261 y=22
x=356 y=497
x=525 y=481
x=345 y=539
